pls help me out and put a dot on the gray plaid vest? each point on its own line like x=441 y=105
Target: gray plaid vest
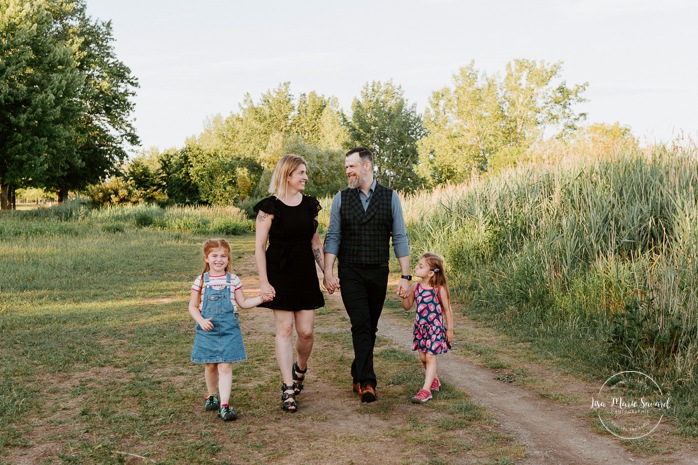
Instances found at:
x=365 y=238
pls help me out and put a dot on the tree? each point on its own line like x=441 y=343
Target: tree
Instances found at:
x=484 y=122
x=306 y=119
x=333 y=134
x=603 y=139
x=176 y=175
x=39 y=85
x=222 y=179
x=258 y=136
x=249 y=132
x=104 y=128
x=384 y=122
x=66 y=97
x=464 y=125
x=143 y=173
x=325 y=166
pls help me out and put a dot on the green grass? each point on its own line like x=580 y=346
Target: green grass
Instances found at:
x=68 y=217
x=592 y=264
x=95 y=342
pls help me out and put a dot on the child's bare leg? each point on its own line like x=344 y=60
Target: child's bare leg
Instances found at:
x=225 y=381
x=211 y=376
x=430 y=372
x=423 y=358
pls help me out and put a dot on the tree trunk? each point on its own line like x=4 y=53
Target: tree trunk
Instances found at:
x=62 y=194
x=5 y=197
x=13 y=198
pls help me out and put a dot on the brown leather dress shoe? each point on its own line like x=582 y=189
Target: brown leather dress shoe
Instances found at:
x=368 y=394
x=356 y=387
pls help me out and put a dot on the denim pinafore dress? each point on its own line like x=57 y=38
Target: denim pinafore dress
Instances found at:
x=224 y=342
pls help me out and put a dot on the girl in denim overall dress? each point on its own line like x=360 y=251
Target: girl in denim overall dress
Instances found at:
x=218 y=342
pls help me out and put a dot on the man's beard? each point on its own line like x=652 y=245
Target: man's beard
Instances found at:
x=358 y=180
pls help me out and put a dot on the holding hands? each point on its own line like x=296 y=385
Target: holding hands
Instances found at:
x=403 y=289
x=331 y=283
x=267 y=292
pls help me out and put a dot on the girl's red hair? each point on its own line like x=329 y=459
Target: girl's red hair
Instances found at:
x=210 y=245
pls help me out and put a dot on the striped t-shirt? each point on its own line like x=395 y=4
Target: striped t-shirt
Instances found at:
x=218 y=283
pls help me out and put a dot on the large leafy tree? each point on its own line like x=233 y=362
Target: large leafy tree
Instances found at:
x=383 y=121
x=39 y=86
x=306 y=119
x=66 y=98
x=484 y=122
x=251 y=130
x=465 y=126
x=333 y=134
x=104 y=129
x=318 y=121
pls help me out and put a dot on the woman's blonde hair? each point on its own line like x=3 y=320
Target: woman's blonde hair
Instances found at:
x=279 y=179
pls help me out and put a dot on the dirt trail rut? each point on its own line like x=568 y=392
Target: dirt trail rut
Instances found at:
x=552 y=432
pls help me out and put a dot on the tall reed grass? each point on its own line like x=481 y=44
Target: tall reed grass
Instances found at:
x=600 y=256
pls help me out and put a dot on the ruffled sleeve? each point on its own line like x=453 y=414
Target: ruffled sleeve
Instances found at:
x=265 y=205
x=314 y=207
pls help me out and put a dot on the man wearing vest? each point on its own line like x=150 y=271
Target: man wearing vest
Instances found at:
x=363 y=219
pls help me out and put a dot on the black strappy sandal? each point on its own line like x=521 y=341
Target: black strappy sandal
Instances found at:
x=288 y=399
x=298 y=379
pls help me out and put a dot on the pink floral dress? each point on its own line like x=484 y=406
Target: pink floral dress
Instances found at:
x=429 y=330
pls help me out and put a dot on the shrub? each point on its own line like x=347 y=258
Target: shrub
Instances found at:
x=230 y=226
x=113 y=227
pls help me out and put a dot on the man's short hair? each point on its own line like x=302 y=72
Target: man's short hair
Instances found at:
x=363 y=152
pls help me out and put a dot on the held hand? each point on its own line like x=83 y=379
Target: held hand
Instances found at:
x=206 y=324
x=403 y=289
x=449 y=336
x=267 y=297
x=327 y=282
x=268 y=291
x=331 y=283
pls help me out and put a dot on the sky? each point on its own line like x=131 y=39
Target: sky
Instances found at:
x=197 y=59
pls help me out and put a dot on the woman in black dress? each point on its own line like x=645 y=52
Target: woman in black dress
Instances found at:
x=287 y=221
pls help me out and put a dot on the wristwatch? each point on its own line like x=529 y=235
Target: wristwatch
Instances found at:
x=407 y=277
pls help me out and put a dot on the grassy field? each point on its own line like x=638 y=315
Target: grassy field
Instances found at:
x=591 y=264
x=95 y=342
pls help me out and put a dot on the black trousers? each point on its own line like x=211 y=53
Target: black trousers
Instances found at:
x=363 y=293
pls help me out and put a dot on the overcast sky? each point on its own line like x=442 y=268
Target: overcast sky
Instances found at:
x=196 y=59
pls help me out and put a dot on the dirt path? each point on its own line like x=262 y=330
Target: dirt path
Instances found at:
x=553 y=433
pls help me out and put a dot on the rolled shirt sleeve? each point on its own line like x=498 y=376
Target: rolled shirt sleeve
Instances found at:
x=334 y=229
x=401 y=244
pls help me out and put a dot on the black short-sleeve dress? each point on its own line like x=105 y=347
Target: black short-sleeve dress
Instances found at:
x=290 y=261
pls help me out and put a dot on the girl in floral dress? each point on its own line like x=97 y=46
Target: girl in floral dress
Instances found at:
x=431 y=336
